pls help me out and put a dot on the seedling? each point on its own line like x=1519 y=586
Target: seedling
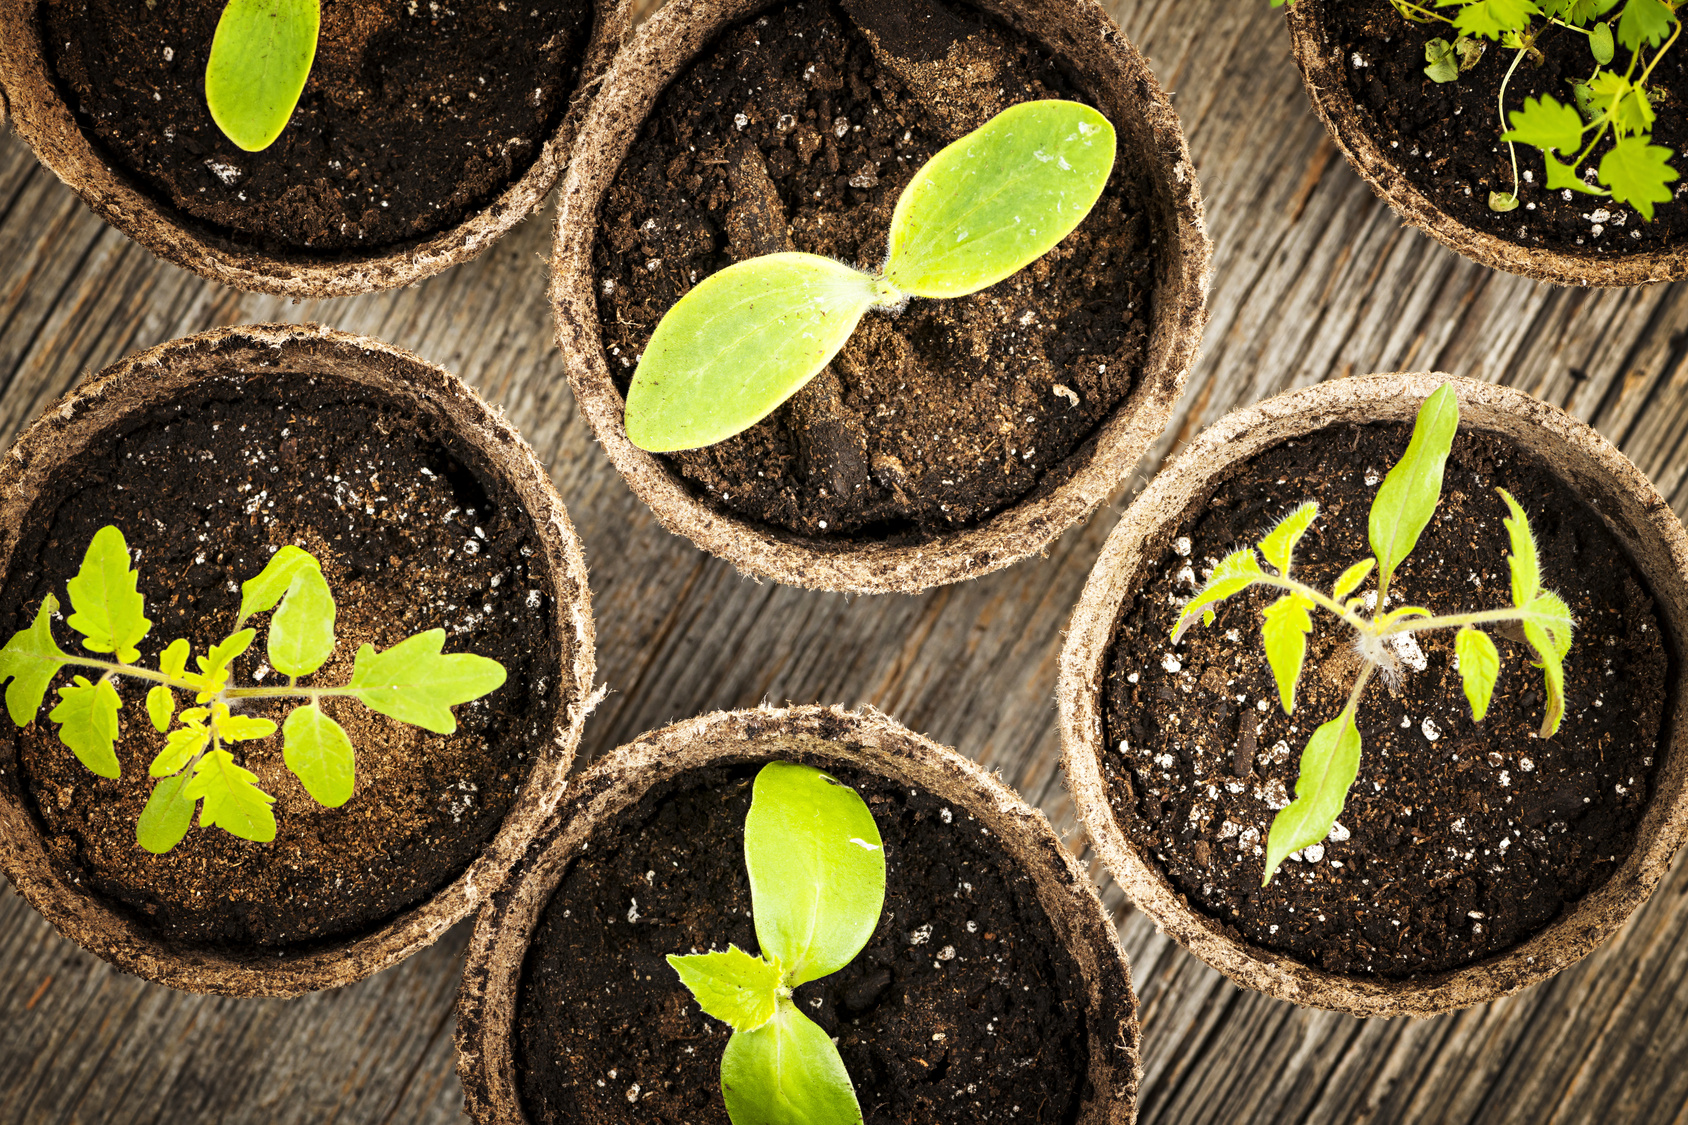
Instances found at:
x=1404 y=504
x=1613 y=99
x=261 y=55
x=412 y=681
x=817 y=884
x=749 y=337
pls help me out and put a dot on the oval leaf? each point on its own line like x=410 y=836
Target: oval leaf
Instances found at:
x=739 y=344
x=1479 y=667
x=734 y=987
x=261 y=55
x=302 y=630
x=318 y=752
x=29 y=661
x=87 y=714
x=1285 y=632
x=161 y=705
x=999 y=198
x=260 y=593
x=1407 y=498
x=413 y=683
x=1350 y=579
x=108 y=607
x=167 y=817
x=817 y=870
x=1329 y=765
x=787 y=1072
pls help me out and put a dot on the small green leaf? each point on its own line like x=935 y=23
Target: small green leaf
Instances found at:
x=1637 y=173
x=261 y=593
x=1470 y=52
x=109 y=610
x=302 y=630
x=1278 y=547
x=180 y=745
x=1645 y=21
x=1600 y=43
x=1549 y=612
x=232 y=802
x=318 y=752
x=1546 y=123
x=1626 y=102
x=261 y=55
x=1491 y=19
x=174 y=659
x=1479 y=667
x=87 y=718
x=1553 y=676
x=999 y=198
x=1408 y=496
x=1526 y=572
x=214 y=667
x=1285 y=632
x=413 y=683
x=240 y=728
x=1329 y=765
x=1236 y=572
x=1444 y=64
x=1561 y=176
x=1502 y=201
x=1351 y=578
x=161 y=705
x=734 y=987
x=29 y=661
x=787 y=1072
x=817 y=870
x=167 y=817
x=738 y=345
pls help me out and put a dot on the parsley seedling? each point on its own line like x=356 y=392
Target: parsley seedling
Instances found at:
x=749 y=337
x=817 y=885
x=261 y=55
x=413 y=682
x=1399 y=514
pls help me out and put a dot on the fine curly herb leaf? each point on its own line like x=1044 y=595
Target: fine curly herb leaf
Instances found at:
x=167 y=817
x=1638 y=172
x=109 y=610
x=261 y=55
x=87 y=718
x=1278 y=547
x=413 y=683
x=1235 y=573
x=264 y=590
x=1288 y=621
x=1479 y=668
x=735 y=987
x=1329 y=765
x=1407 y=498
x=319 y=753
x=29 y=661
x=231 y=800
x=787 y=1072
x=302 y=630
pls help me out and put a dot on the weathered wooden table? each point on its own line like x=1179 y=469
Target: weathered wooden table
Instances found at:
x=1313 y=279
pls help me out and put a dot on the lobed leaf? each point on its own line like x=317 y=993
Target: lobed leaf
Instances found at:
x=87 y=718
x=232 y=801
x=1329 y=765
x=1236 y=572
x=1285 y=632
x=1562 y=176
x=1526 y=571
x=261 y=593
x=1278 y=548
x=413 y=683
x=1479 y=667
x=817 y=870
x=1407 y=498
x=1350 y=579
x=180 y=746
x=1546 y=123
x=167 y=817
x=261 y=55
x=29 y=661
x=735 y=987
x=787 y=1072
x=1638 y=172
x=1645 y=22
x=161 y=706
x=110 y=611
x=302 y=630
x=1627 y=102
x=213 y=674
x=318 y=752
x=1491 y=19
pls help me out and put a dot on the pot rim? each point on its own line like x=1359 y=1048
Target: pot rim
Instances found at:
x=867 y=740
x=41 y=117
x=663 y=46
x=1633 y=510
x=166 y=372
x=1324 y=74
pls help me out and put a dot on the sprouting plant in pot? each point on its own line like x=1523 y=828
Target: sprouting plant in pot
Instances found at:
x=744 y=340
x=413 y=682
x=1615 y=99
x=817 y=884
x=261 y=55
x=1400 y=512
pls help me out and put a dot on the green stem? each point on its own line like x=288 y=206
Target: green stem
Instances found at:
x=1453 y=621
x=1511 y=150
x=113 y=668
x=1319 y=598
x=1409 y=9
x=284 y=693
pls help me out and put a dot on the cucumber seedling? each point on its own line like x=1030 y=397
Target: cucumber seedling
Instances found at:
x=413 y=682
x=744 y=340
x=1399 y=514
x=261 y=55
x=817 y=885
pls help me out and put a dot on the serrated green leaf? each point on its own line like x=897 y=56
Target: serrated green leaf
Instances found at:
x=167 y=817
x=1561 y=176
x=1630 y=108
x=180 y=745
x=213 y=674
x=1443 y=63
x=1479 y=667
x=174 y=659
x=87 y=718
x=161 y=705
x=1278 y=547
x=1600 y=43
x=1645 y=22
x=1236 y=572
x=261 y=55
x=787 y=1072
x=413 y=683
x=232 y=801
x=1329 y=765
x=110 y=612
x=1546 y=123
x=1350 y=579
x=29 y=661
x=999 y=198
x=1408 y=496
x=1285 y=632
x=263 y=592
x=302 y=630
x=1637 y=173
x=239 y=728
x=318 y=752
x=735 y=987
x=1526 y=571
x=1491 y=19
x=817 y=870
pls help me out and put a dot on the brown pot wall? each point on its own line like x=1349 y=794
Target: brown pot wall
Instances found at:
x=821 y=736
x=1324 y=72
x=46 y=123
x=170 y=372
x=1149 y=132
x=1635 y=513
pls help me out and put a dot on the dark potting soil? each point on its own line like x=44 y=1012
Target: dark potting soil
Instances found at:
x=1459 y=839
x=962 y=1008
x=799 y=129
x=413 y=533
x=416 y=114
x=1446 y=137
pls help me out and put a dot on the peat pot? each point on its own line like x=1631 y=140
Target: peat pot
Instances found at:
x=426 y=510
x=1471 y=859
x=957 y=436
x=419 y=139
x=994 y=977
x=1433 y=151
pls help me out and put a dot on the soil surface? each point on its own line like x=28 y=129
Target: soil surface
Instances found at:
x=1446 y=137
x=413 y=533
x=798 y=130
x=962 y=1008
x=1460 y=839
x=416 y=114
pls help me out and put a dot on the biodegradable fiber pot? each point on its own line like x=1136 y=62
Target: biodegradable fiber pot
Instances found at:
x=1522 y=435
x=50 y=125
x=223 y=443
x=1326 y=71
x=629 y=810
x=1090 y=52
